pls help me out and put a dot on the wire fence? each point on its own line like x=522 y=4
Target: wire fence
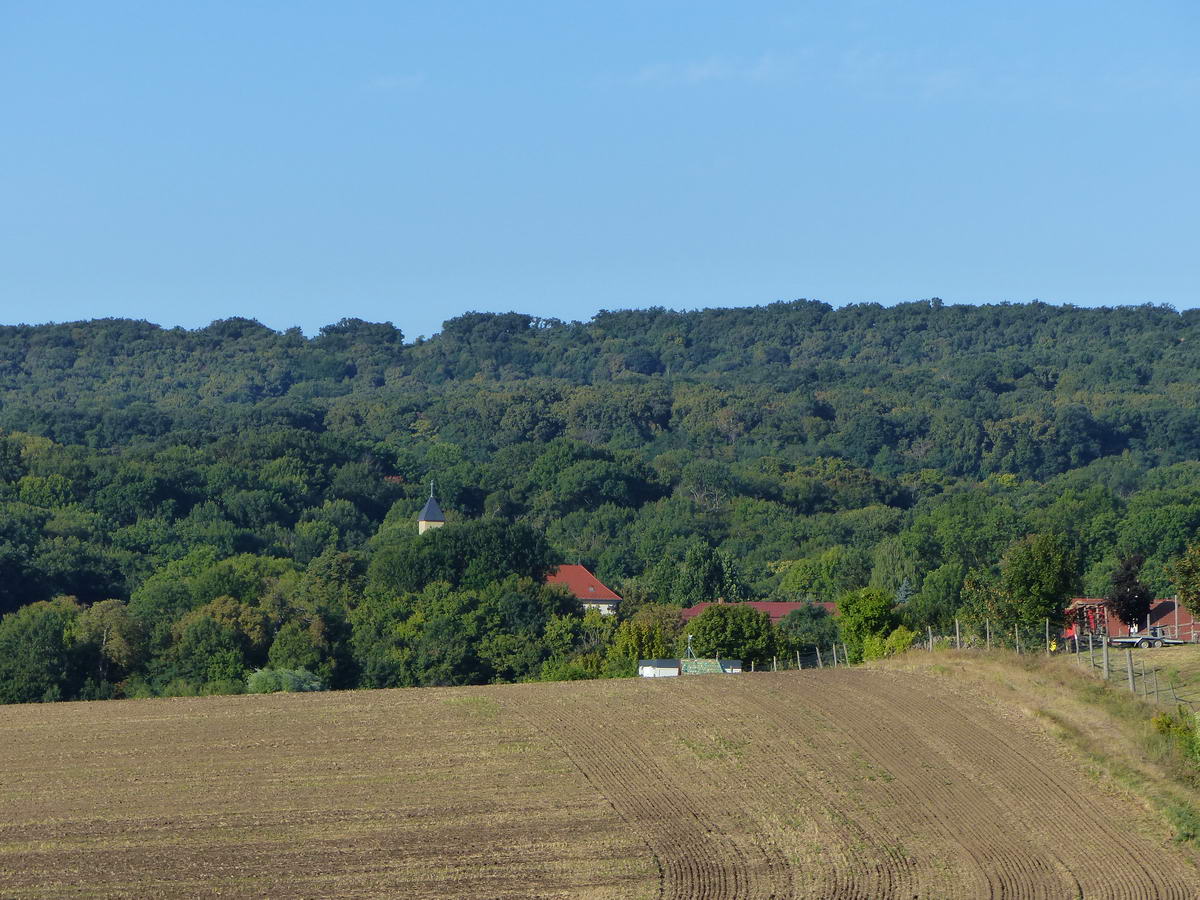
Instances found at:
x=1110 y=657
x=1118 y=663
x=1092 y=650
x=833 y=655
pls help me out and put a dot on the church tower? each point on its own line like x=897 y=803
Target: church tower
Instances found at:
x=431 y=516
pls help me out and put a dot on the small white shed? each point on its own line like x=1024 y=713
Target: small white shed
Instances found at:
x=658 y=668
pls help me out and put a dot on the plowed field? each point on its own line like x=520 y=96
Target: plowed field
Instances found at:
x=834 y=784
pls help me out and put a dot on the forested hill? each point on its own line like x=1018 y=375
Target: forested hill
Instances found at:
x=795 y=450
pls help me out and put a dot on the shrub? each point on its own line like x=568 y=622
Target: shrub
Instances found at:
x=1183 y=728
x=180 y=687
x=1186 y=821
x=222 y=686
x=270 y=681
x=135 y=688
x=899 y=641
x=876 y=646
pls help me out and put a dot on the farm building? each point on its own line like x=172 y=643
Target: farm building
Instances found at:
x=1091 y=615
x=658 y=668
x=586 y=588
x=670 y=668
x=776 y=610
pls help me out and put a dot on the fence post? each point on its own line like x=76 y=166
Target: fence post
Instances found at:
x=957 y=637
x=799 y=665
x=929 y=629
x=833 y=649
x=1047 y=637
x=1017 y=638
x=820 y=664
x=1156 y=686
x=1104 y=646
x=1145 y=683
x=987 y=624
x=1129 y=669
x=845 y=655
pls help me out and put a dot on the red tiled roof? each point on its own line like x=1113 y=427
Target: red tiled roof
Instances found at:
x=582 y=584
x=775 y=609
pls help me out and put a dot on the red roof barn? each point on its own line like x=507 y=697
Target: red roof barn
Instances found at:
x=1092 y=615
x=586 y=588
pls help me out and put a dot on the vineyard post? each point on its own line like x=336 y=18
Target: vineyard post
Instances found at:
x=957 y=638
x=987 y=624
x=751 y=665
x=774 y=663
x=1017 y=638
x=1047 y=637
x=1091 y=652
x=799 y=665
x=1078 y=658
x=929 y=629
x=1105 y=648
x=1129 y=669
x=833 y=650
x=820 y=664
x=845 y=655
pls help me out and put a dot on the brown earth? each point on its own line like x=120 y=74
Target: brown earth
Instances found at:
x=863 y=783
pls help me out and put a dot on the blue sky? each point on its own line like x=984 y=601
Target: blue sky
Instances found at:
x=300 y=162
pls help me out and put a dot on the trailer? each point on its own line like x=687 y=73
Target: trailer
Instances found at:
x=1155 y=637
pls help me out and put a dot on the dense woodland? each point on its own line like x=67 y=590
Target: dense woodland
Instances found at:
x=180 y=508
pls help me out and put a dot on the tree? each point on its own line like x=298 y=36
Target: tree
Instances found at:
x=1185 y=576
x=36 y=662
x=938 y=600
x=987 y=605
x=706 y=574
x=1128 y=597
x=809 y=626
x=117 y=638
x=1038 y=574
x=864 y=614
x=469 y=555
x=734 y=631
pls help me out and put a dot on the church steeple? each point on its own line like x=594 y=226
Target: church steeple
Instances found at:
x=431 y=516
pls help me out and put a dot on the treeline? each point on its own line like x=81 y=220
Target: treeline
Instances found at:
x=229 y=498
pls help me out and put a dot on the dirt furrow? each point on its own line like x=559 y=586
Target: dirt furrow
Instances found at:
x=694 y=859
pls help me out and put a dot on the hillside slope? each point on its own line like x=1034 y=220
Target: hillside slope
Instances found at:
x=867 y=783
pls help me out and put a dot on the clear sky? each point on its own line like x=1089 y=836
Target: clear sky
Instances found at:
x=300 y=162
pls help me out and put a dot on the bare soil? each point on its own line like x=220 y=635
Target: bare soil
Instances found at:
x=862 y=783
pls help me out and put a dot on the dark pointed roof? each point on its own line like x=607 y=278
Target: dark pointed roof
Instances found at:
x=432 y=512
